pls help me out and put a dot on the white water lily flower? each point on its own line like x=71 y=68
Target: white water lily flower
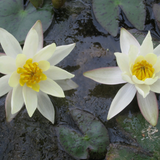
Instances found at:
x=139 y=67
x=31 y=74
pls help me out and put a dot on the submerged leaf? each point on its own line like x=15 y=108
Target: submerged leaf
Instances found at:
x=18 y=21
x=91 y=143
x=107 y=13
x=156 y=11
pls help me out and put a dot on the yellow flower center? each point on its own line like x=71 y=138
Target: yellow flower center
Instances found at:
x=143 y=70
x=31 y=75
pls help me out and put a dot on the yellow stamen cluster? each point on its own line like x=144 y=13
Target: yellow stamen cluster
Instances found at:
x=31 y=74
x=143 y=70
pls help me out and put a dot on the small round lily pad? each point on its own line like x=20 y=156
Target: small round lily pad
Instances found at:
x=18 y=21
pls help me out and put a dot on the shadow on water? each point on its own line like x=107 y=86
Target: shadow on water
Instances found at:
x=35 y=138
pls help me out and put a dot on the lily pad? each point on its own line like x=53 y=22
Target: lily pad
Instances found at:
x=18 y=21
x=146 y=135
x=91 y=141
x=119 y=152
x=107 y=13
x=156 y=11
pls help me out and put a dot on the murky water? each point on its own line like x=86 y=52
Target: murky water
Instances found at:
x=35 y=138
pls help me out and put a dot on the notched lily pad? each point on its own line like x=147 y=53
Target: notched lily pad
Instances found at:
x=119 y=152
x=90 y=142
x=146 y=135
x=107 y=13
x=18 y=21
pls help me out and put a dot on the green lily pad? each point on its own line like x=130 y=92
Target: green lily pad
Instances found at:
x=156 y=11
x=18 y=21
x=37 y=3
x=119 y=152
x=91 y=141
x=146 y=135
x=107 y=13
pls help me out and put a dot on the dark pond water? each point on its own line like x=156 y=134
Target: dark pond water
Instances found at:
x=35 y=138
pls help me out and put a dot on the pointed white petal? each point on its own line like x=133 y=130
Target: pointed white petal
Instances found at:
x=67 y=84
x=136 y=80
x=122 y=61
x=17 y=99
x=45 y=53
x=38 y=27
x=30 y=99
x=9 y=44
x=126 y=40
x=150 y=81
x=155 y=87
x=151 y=58
x=7 y=64
x=108 y=75
x=14 y=79
x=143 y=89
x=57 y=73
x=126 y=77
x=21 y=60
x=149 y=107
x=124 y=96
x=157 y=65
x=60 y=53
x=9 y=115
x=4 y=86
x=147 y=45
x=133 y=52
x=50 y=87
x=45 y=107
x=44 y=65
x=31 y=44
x=157 y=50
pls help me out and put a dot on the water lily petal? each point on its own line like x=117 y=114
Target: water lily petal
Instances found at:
x=149 y=107
x=14 y=79
x=30 y=99
x=38 y=27
x=150 y=81
x=157 y=65
x=136 y=80
x=133 y=52
x=108 y=75
x=17 y=99
x=147 y=45
x=45 y=107
x=124 y=96
x=9 y=44
x=50 y=87
x=126 y=77
x=44 y=65
x=57 y=73
x=157 y=50
x=66 y=84
x=31 y=44
x=122 y=61
x=9 y=115
x=21 y=60
x=4 y=86
x=155 y=87
x=60 y=53
x=126 y=40
x=45 y=53
x=143 y=89
x=7 y=64
x=151 y=58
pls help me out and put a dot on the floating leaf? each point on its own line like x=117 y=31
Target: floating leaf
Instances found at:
x=107 y=13
x=119 y=152
x=156 y=11
x=18 y=21
x=91 y=143
x=37 y=3
x=146 y=135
